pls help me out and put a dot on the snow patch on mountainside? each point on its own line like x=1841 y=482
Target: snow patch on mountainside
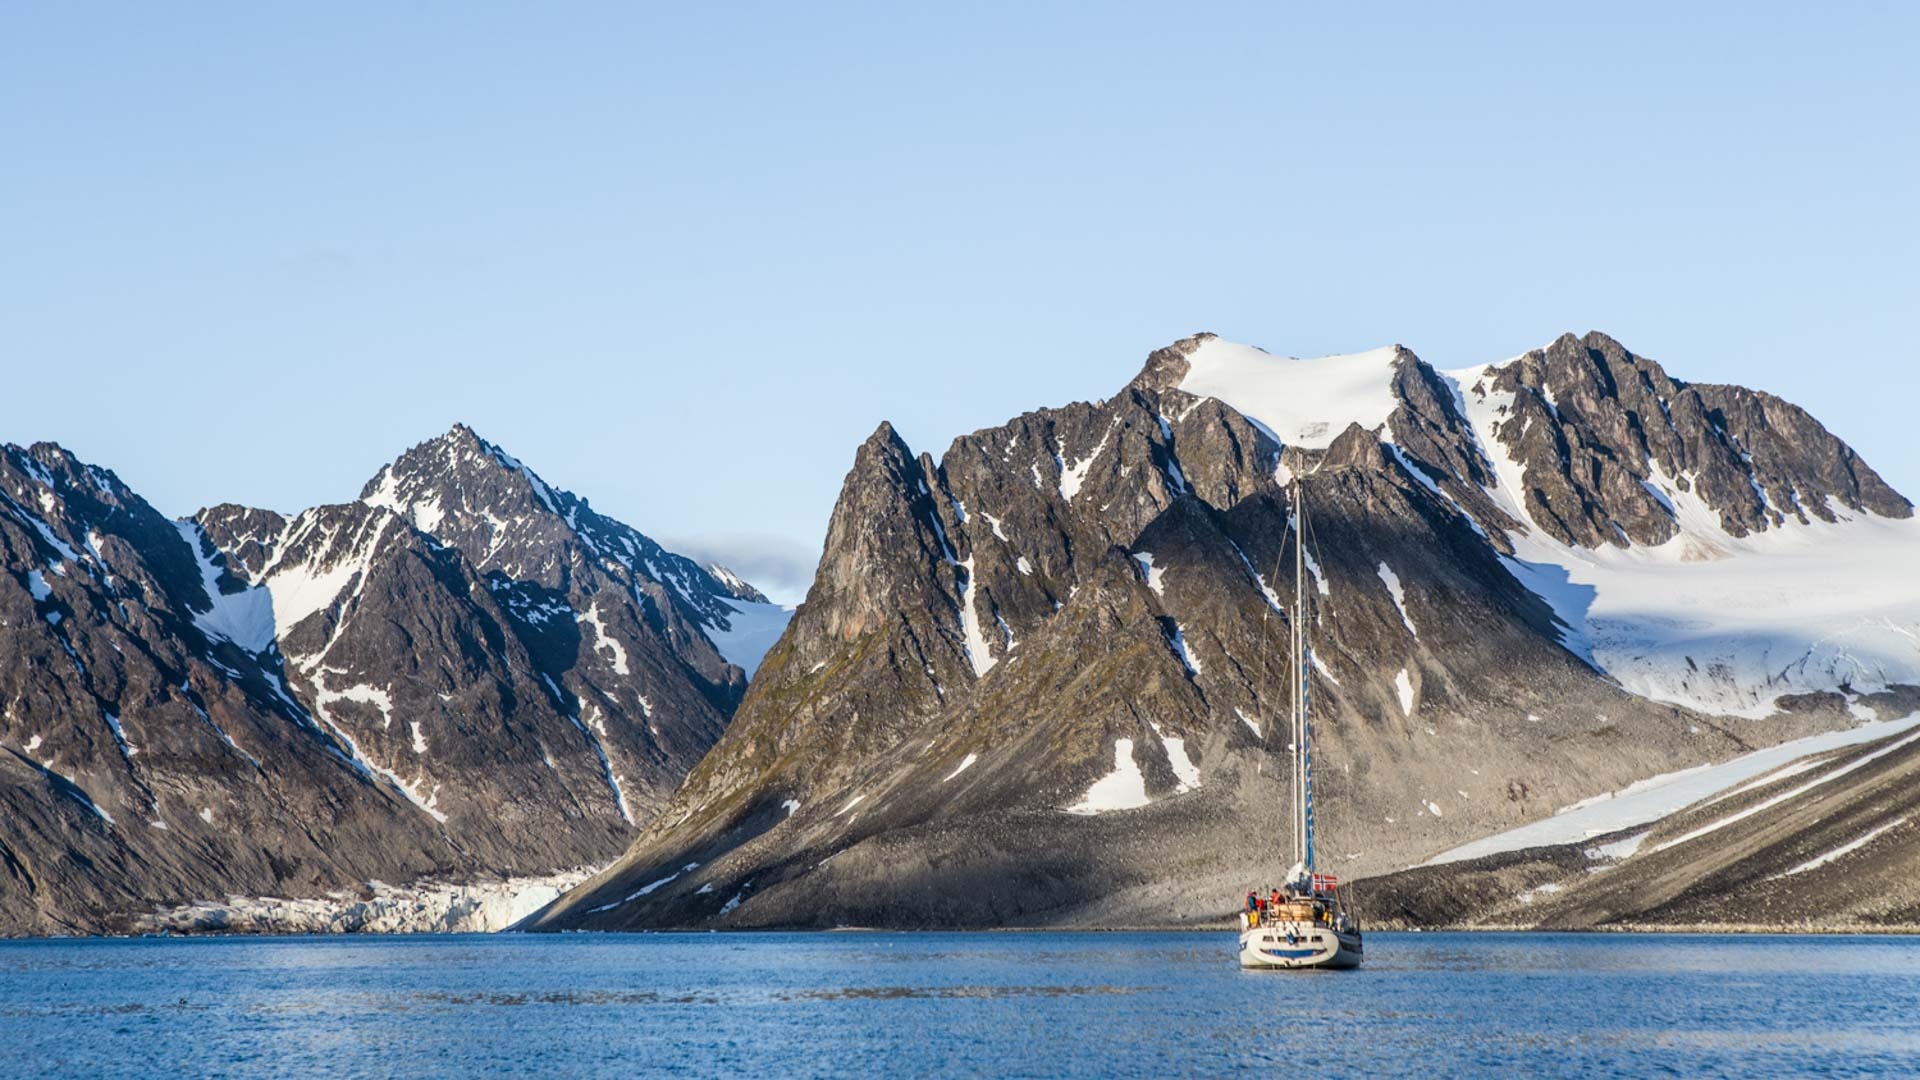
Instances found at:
x=978 y=653
x=603 y=641
x=647 y=889
x=1122 y=789
x=1320 y=666
x=244 y=618
x=1074 y=475
x=300 y=589
x=323 y=699
x=593 y=731
x=1184 y=770
x=1313 y=566
x=1392 y=581
x=1769 y=803
x=1156 y=576
x=1177 y=637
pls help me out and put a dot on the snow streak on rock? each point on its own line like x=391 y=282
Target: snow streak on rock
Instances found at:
x=1392 y=581
x=616 y=652
x=978 y=651
x=1125 y=788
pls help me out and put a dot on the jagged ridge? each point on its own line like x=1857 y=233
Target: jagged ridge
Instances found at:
x=249 y=704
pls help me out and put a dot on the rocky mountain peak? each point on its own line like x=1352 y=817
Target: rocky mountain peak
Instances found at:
x=83 y=517
x=1604 y=441
x=473 y=494
x=1357 y=447
x=1165 y=367
x=885 y=521
x=467 y=672
x=461 y=483
x=245 y=536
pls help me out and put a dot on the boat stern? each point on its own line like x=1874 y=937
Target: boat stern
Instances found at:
x=1297 y=945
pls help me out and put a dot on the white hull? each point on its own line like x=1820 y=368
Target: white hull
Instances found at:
x=1289 y=945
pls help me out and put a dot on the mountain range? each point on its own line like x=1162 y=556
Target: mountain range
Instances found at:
x=465 y=676
x=1035 y=681
x=1592 y=646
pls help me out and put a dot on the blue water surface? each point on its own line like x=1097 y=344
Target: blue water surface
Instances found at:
x=1012 y=1004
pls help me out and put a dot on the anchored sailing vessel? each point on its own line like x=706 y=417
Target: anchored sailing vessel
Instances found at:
x=1303 y=925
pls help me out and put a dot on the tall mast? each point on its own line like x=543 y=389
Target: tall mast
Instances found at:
x=1298 y=627
x=1306 y=716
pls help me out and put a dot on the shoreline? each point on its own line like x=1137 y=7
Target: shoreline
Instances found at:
x=1698 y=930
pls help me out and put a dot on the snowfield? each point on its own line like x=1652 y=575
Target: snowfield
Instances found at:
x=1304 y=403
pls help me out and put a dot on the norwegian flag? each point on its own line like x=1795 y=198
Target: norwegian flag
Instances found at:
x=1325 y=883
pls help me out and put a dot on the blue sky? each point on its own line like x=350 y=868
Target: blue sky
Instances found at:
x=683 y=261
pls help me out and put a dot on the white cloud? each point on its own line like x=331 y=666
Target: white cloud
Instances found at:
x=779 y=566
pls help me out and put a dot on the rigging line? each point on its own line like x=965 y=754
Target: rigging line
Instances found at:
x=1266 y=640
x=1312 y=540
x=1264 y=694
x=1309 y=538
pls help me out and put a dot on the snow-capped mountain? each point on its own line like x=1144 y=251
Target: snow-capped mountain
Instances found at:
x=1036 y=682
x=466 y=674
x=1707 y=546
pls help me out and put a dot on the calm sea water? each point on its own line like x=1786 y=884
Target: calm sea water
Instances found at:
x=778 y=1005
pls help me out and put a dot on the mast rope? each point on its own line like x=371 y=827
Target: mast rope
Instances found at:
x=1312 y=539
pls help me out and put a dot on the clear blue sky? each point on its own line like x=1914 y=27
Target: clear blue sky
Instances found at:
x=683 y=260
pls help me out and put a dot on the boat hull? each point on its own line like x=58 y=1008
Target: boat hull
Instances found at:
x=1291 y=946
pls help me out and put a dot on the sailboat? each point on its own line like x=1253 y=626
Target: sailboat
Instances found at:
x=1303 y=924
